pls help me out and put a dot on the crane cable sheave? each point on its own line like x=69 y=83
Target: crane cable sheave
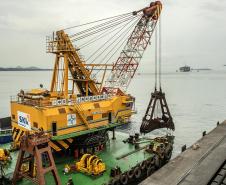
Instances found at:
x=126 y=65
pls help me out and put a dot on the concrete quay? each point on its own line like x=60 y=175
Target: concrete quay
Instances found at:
x=204 y=163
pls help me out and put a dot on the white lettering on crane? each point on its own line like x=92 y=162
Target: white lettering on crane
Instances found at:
x=80 y=100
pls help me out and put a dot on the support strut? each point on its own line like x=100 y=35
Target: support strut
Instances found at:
x=35 y=160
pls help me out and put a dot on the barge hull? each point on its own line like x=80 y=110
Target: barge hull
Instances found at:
x=117 y=153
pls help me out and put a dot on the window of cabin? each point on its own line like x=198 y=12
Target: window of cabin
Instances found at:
x=104 y=115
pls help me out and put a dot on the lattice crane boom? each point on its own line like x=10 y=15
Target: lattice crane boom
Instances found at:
x=126 y=65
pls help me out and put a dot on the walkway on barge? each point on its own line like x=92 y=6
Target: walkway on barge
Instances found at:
x=202 y=164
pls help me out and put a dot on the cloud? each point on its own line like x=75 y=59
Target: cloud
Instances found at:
x=192 y=30
x=214 y=6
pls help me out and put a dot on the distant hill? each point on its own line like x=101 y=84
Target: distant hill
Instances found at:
x=19 y=68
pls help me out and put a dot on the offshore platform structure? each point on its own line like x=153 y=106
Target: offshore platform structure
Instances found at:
x=82 y=103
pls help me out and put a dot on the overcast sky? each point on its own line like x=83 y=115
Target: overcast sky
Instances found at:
x=194 y=31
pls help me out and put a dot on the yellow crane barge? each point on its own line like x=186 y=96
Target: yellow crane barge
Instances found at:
x=78 y=108
x=62 y=133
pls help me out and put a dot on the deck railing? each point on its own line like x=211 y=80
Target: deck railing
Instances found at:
x=5 y=132
x=33 y=102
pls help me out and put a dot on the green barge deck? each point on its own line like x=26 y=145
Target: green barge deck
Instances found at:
x=125 y=155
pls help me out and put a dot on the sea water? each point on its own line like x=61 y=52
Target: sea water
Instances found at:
x=197 y=100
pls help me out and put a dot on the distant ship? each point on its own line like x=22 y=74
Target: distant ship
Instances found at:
x=185 y=69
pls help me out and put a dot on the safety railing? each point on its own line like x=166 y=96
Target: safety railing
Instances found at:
x=6 y=132
x=32 y=102
x=53 y=45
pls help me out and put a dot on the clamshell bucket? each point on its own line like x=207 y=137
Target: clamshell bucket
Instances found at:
x=151 y=122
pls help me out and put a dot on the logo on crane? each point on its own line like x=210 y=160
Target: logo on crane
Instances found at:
x=24 y=120
x=71 y=119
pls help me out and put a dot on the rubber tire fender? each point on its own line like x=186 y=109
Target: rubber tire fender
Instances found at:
x=114 y=182
x=168 y=155
x=157 y=161
x=153 y=159
x=124 y=179
x=130 y=174
x=148 y=164
x=137 y=172
x=143 y=165
x=150 y=170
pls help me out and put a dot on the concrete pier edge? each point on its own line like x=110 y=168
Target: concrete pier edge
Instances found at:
x=198 y=164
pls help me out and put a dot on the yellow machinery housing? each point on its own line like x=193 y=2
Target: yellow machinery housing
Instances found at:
x=64 y=120
x=90 y=164
x=4 y=155
x=75 y=104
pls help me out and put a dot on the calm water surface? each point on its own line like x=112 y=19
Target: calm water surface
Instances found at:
x=197 y=100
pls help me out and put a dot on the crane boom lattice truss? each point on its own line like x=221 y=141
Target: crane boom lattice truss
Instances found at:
x=126 y=65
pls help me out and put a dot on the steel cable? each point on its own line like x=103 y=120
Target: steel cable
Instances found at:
x=101 y=29
x=71 y=27
x=100 y=36
x=160 y=53
x=107 y=43
x=156 y=57
x=99 y=26
x=117 y=48
x=121 y=40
